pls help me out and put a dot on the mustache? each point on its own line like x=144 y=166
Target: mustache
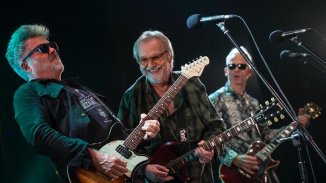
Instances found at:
x=153 y=68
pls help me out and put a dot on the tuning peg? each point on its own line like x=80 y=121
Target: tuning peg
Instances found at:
x=282 y=116
x=267 y=102
x=273 y=99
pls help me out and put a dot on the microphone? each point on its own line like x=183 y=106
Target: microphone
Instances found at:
x=287 y=54
x=196 y=21
x=278 y=35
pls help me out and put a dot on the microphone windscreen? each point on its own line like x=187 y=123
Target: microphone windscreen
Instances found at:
x=285 y=54
x=193 y=22
x=276 y=36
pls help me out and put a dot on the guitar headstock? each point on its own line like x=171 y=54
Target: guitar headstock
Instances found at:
x=312 y=109
x=195 y=68
x=270 y=113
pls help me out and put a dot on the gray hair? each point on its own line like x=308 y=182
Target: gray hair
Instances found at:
x=147 y=35
x=16 y=45
x=235 y=51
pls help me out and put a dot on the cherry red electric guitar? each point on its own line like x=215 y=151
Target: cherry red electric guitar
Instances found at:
x=263 y=153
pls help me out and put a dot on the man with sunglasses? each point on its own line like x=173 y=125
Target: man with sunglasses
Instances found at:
x=235 y=105
x=188 y=119
x=61 y=118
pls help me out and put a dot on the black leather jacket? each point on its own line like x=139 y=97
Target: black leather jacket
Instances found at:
x=55 y=124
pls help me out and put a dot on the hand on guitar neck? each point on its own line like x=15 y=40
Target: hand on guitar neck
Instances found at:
x=303 y=118
x=203 y=155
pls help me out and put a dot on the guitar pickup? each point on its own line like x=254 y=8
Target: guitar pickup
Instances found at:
x=125 y=152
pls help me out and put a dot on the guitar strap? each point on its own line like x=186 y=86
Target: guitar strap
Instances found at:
x=91 y=106
x=98 y=110
x=185 y=145
x=182 y=126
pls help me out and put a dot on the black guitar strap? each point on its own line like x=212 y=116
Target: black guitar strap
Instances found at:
x=185 y=145
x=182 y=126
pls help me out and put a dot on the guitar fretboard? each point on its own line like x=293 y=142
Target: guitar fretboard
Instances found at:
x=268 y=149
x=231 y=132
x=181 y=161
x=137 y=134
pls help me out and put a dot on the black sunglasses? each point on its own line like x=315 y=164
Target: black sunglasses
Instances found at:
x=42 y=48
x=240 y=66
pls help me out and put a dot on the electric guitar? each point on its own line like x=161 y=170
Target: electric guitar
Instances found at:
x=124 y=149
x=263 y=153
x=175 y=164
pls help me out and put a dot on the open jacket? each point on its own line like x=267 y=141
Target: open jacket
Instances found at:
x=55 y=124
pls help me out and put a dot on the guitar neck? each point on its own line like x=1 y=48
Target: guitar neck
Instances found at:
x=137 y=134
x=228 y=134
x=181 y=161
x=268 y=149
x=264 y=115
x=310 y=108
x=168 y=97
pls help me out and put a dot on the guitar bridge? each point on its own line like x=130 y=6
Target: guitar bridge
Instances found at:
x=125 y=152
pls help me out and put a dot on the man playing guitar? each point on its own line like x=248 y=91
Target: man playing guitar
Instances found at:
x=234 y=105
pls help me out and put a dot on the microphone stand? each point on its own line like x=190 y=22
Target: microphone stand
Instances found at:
x=296 y=141
x=300 y=44
x=306 y=136
x=292 y=115
x=302 y=168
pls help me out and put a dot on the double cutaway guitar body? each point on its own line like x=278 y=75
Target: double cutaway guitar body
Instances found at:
x=165 y=154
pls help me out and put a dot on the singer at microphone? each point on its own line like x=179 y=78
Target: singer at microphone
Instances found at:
x=287 y=54
x=278 y=35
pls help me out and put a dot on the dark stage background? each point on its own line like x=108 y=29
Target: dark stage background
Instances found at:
x=96 y=39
